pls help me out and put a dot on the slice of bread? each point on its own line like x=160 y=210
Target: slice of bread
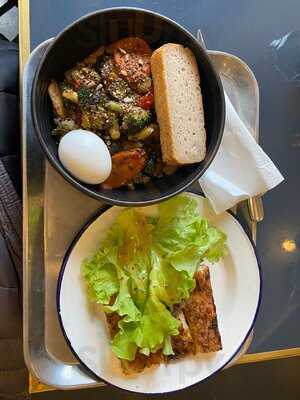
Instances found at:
x=178 y=104
x=201 y=315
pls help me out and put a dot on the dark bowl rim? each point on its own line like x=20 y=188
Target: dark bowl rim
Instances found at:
x=73 y=243
x=76 y=183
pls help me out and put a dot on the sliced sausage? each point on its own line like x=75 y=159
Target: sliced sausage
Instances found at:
x=126 y=165
x=130 y=45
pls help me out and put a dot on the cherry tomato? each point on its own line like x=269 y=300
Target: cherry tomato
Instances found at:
x=146 y=101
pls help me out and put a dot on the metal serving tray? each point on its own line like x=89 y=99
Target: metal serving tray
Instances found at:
x=54 y=211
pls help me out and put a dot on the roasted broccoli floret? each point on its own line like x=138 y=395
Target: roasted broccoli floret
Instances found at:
x=118 y=89
x=91 y=97
x=136 y=117
x=97 y=118
x=100 y=97
x=83 y=76
x=144 y=85
x=85 y=96
x=93 y=119
x=144 y=133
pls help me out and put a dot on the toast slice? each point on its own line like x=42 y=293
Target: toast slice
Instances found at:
x=200 y=313
x=183 y=343
x=198 y=333
x=178 y=104
x=141 y=361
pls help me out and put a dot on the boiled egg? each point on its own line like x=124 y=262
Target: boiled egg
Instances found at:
x=85 y=156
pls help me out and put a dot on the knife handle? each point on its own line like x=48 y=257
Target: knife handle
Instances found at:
x=256 y=209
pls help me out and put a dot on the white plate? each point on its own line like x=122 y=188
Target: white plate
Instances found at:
x=236 y=283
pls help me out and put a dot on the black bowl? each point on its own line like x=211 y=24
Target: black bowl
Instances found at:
x=104 y=27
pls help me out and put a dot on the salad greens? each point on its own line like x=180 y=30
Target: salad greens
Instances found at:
x=146 y=265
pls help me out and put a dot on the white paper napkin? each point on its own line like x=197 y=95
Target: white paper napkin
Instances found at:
x=241 y=169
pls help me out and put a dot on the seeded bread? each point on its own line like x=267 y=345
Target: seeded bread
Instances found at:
x=201 y=316
x=178 y=104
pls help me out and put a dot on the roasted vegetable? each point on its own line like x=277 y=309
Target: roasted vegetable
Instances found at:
x=130 y=45
x=144 y=85
x=96 y=119
x=118 y=89
x=114 y=129
x=85 y=96
x=56 y=98
x=126 y=165
x=108 y=70
x=116 y=107
x=132 y=67
x=91 y=97
x=83 y=76
x=132 y=58
x=135 y=117
x=145 y=133
x=147 y=101
x=71 y=95
x=70 y=108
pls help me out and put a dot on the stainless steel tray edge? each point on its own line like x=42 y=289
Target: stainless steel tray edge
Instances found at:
x=46 y=368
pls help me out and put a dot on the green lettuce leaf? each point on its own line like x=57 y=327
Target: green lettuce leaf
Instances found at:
x=124 y=303
x=184 y=237
x=145 y=266
x=169 y=285
x=152 y=332
x=123 y=343
x=102 y=281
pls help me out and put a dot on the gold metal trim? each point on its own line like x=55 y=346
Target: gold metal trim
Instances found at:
x=24 y=50
x=24 y=34
x=269 y=355
x=35 y=386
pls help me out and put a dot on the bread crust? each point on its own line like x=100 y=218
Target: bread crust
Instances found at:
x=187 y=146
x=201 y=316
